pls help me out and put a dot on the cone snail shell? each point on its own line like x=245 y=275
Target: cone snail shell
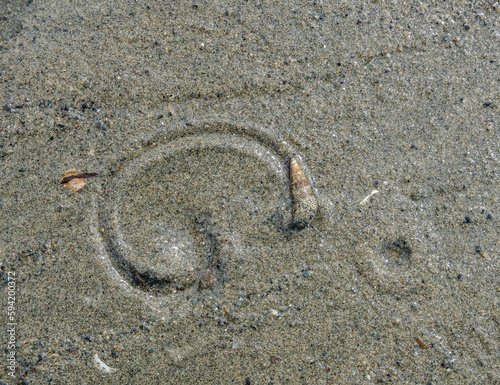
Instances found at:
x=305 y=205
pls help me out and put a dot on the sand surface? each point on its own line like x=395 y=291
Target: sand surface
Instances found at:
x=178 y=263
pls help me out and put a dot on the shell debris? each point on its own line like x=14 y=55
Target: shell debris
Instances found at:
x=305 y=205
x=75 y=180
x=365 y=201
x=102 y=366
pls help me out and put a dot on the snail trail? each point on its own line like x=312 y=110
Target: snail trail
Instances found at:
x=200 y=211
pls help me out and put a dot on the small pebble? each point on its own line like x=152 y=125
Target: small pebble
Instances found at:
x=207 y=281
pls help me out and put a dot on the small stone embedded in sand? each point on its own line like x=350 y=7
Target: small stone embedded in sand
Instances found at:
x=207 y=281
x=275 y=358
x=75 y=180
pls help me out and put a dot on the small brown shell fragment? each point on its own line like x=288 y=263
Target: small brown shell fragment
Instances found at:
x=420 y=343
x=305 y=205
x=75 y=180
x=74 y=184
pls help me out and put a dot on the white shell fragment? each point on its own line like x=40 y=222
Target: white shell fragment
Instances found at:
x=365 y=201
x=102 y=366
x=305 y=205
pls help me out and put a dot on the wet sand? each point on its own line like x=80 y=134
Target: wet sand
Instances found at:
x=178 y=263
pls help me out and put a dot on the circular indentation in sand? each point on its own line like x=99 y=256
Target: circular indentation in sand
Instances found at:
x=396 y=253
x=386 y=262
x=189 y=207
